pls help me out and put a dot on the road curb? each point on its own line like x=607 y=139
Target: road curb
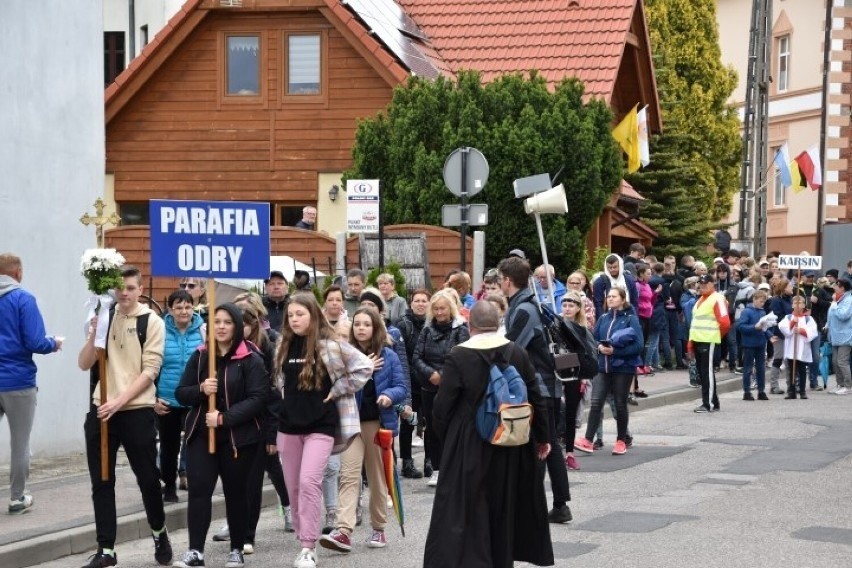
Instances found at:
x=82 y=539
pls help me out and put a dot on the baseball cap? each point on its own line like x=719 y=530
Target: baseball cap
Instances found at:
x=718 y=260
x=707 y=278
x=519 y=253
x=275 y=274
x=810 y=274
x=763 y=286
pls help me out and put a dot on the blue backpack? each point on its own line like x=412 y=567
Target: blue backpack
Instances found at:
x=504 y=416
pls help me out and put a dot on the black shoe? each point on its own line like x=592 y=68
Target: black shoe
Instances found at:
x=628 y=441
x=803 y=396
x=701 y=409
x=762 y=396
x=681 y=367
x=790 y=395
x=427 y=468
x=170 y=494
x=640 y=394
x=598 y=444
x=410 y=471
x=748 y=396
x=163 y=548
x=560 y=515
x=632 y=400
x=776 y=390
x=715 y=409
x=99 y=560
x=190 y=559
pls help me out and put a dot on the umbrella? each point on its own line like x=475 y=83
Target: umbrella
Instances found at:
x=384 y=439
x=825 y=362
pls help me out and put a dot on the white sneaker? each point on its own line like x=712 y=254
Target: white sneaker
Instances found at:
x=223 y=534
x=248 y=548
x=307 y=558
x=22 y=505
x=842 y=390
x=433 y=481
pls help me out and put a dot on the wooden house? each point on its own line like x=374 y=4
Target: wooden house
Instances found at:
x=258 y=100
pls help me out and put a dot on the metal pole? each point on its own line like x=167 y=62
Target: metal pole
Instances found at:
x=546 y=262
x=381 y=234
x=823 y=126
x=131 y=33
x=463 y=228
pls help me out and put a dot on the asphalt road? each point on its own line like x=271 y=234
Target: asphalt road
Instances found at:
x=759 y=484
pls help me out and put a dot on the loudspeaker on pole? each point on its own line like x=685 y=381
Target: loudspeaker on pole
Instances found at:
x=551 y=201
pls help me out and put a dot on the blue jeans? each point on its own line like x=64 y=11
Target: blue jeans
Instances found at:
x=675 y=335
x=605 y=383
x=754 y=357
x=813 y=368
x=652 y=351
x=731 y=340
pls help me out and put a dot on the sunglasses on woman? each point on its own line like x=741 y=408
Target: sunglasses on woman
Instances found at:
x=187 y=286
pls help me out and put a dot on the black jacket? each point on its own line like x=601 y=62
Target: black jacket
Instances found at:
x=524 y=327
x=409 y=327
x=433 y=345
x=276 y=310
x=243 y=393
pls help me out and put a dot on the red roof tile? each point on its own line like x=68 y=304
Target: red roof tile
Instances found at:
x=509 y=36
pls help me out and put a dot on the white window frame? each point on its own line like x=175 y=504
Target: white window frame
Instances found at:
x=783 y=63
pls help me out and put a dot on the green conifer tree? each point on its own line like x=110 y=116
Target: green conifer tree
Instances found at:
x=694 y=170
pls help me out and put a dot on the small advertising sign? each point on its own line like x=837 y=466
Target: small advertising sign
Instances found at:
x=362 y=205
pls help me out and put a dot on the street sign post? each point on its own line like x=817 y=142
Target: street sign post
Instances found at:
x=465 y=174
x=477 y=215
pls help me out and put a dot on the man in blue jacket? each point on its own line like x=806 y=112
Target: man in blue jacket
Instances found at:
x=21 y=335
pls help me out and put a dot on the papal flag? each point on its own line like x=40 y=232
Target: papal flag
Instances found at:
x=627 y=135
x=644 y=151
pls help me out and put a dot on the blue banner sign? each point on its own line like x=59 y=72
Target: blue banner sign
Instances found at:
x=223 y=239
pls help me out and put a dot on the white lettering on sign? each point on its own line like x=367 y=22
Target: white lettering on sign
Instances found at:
x=209 y=258
x=804 y=262
x=213 y=221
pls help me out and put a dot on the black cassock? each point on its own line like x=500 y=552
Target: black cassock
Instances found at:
x=490 y=507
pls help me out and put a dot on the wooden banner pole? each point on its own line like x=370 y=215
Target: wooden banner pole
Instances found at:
x=102 y=373
x=211 y=358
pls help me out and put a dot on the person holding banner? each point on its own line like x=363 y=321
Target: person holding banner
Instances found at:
x=799 y=329
x=133 y=364
x=241 y=386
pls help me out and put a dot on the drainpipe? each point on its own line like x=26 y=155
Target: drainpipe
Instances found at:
x=131 y=35
x=823 y=127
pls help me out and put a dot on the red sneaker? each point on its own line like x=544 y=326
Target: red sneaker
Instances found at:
x=584 y=445
x=620 y=448
x=336 y=540
x=571 y=463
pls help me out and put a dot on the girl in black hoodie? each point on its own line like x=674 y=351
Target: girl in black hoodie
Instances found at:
x=240 y=386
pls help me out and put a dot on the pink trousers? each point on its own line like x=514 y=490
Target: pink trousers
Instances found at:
x=303 y=459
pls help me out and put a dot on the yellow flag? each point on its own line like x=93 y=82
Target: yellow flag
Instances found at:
x=627 y=135
x=797 y=178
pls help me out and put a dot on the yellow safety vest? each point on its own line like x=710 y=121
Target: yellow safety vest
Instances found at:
x=705 y=328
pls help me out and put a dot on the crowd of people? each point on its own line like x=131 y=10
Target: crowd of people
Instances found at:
x=299 y=388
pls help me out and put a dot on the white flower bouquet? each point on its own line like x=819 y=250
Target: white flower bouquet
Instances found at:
x=102 y=269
